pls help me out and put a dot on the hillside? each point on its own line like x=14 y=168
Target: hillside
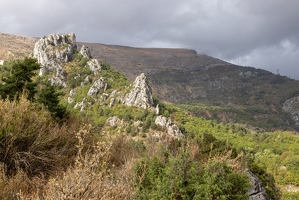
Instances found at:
x=81 y=130
x=214 y=88
x=15 y=46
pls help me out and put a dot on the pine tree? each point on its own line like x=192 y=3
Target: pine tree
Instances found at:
x=49 y=97
x=20 y=79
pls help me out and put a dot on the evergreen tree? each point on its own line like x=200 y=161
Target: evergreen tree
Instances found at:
x=20 y=79
x=49 y=97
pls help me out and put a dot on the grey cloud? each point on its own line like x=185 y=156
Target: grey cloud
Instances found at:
x=253 y=31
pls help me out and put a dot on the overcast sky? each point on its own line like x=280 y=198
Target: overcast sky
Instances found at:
x=258 y=33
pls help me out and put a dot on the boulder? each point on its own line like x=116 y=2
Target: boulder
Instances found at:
x=172 y=129
x=256 y=191
x=94 y=66
x=72 y=92
x=111 y=102
x=140 y=95
x=85 y=52
x=81 y=105
x=97 y=87
x=114 y=121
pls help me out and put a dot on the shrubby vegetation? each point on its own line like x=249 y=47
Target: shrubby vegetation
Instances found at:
x=47 y=150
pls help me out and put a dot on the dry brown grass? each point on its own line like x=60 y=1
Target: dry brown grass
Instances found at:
x=15 y=46
x=32 y=147
x=89 y=178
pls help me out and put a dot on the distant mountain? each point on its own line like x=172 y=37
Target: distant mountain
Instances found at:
x=224 y=91
x=15 y=46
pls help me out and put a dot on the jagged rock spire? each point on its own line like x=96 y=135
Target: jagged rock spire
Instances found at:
x=140 y=95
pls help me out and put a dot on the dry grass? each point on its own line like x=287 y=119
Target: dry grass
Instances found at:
x=89 y=178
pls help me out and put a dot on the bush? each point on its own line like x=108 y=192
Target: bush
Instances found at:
x=179 y=176
x=30 y=141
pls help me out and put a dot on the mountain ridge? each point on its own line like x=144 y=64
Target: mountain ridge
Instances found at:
x=185 y=77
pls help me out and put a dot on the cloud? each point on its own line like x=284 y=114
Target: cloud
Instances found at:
x=261 y=33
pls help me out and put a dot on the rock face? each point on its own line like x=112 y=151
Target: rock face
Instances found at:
x=97 y=87
x=94 y=66
x=172 y=129
x=256 y=191
x=52 y=52
x=85 y=52
x=291 y=106
x=140 y=95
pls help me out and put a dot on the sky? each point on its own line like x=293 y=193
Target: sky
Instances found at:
x=258 y=33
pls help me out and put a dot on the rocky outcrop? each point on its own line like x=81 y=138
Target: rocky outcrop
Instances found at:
x=59 y=78
x=172 y=129
x=81 y=105
x=94 y=66
x=256 y=191
x=97 y=87
x=85 y=52
x=114 y=121
x=70 y=99
x=52 y=52
x=291 y=106
x=140 y=95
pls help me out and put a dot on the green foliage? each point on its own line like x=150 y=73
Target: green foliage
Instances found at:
x=20 y=79
x=179 y=176
x=49 y=97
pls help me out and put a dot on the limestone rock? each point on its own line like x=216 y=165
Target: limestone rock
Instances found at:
x=111 y=102
x=70 y=100
x=54 y=50
x=81 y=105
x=291 y=106
x=256 y=191
x=59 y=78
x=94 y=66
x=88 y=79
x=72 y=92
x=97 y=87
x=157 y=109
x=114 y=121
x=140 y=95
x=172 y=129
x=85 y=52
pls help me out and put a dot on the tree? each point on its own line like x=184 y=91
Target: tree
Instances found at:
x=49 y=97
x=20 y=79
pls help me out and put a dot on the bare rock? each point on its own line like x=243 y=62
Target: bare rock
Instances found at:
x=54 y=50
x=172 y=129
x=85 y=52
x=291 y=106
x=256 y=191
x=111 y=102
x=157 y=109
x=140 y=95
x=81 y=105
x=59 y=78
x=114 y=121
x=72 y=93
x=94 y=66
x=97 y=87
x=70 y=100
